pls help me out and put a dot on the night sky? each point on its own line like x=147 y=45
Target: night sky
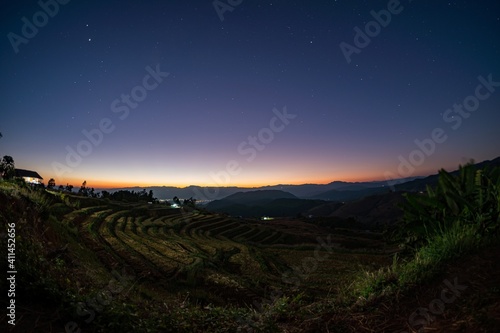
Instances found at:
x=248 y=94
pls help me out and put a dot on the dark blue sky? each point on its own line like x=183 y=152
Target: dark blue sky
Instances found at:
x=265 y=96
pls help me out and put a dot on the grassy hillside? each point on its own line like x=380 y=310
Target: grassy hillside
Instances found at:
x=263 y=203
x=104 y=266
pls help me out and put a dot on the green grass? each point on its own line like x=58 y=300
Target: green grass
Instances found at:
x=186 y=270
x=459 y=240
x=457 y=218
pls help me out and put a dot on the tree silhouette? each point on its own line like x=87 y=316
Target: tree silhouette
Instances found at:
x=83 y=190
x=191 y=202
x=128 y=196
x=150 y=196
x=7 y=167
x=51 y=184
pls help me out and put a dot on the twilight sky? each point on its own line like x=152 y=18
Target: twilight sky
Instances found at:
x=254 y=93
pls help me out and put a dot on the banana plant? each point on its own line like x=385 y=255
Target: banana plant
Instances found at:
x=471 y=196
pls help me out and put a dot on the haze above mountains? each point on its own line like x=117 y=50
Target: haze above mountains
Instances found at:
x=334 y=191
x=304 y=191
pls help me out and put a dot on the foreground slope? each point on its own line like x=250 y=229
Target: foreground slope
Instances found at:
x=72 y=248
x=95 y=265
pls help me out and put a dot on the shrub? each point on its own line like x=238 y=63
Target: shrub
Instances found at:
x=472 y=196
x=458 y=217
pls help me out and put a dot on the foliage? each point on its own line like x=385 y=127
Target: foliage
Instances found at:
x=130 y=196
x=51 y=184
x=40 y=200
x=31 y=263
x=7 y=167
x=472 y=196
x=457 y=218
x=87 y=191
x=459 y=240
x=191 y=202
x=206 y=259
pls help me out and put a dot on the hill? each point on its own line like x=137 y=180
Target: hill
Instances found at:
x=369 y=203
x=99 y=265
x=258 y=197
x=161 y=269
x=262 y=203
x=352 y=193
x=375 y=210
x=345 y=190
x=334 y=191
x=420 y=184
x=376 y=206
x=315 y=191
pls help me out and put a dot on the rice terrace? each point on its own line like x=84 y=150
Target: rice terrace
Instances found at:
x=217 y=253
x=206 y=259
x=108 y=265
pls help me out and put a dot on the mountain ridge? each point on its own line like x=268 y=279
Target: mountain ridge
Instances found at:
x=333 y=191
x=303 y=191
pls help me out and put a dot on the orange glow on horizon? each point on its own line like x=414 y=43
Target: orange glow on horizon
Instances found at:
x=76 y=182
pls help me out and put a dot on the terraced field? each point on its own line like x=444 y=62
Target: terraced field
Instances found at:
x=231 y=258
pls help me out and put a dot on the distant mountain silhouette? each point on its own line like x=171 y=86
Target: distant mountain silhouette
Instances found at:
x=375 y=210
x=258 y=197
x=382 y=208
x=352 y=194
x=316 y=191
x=262 y=203
x=421 y=184
x=243 y=200
x=334 y=191
x=304 y=191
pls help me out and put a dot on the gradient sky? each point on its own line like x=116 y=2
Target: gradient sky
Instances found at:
x=351 y=121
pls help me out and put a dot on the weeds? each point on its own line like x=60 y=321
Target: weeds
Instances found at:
x=459 y=217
